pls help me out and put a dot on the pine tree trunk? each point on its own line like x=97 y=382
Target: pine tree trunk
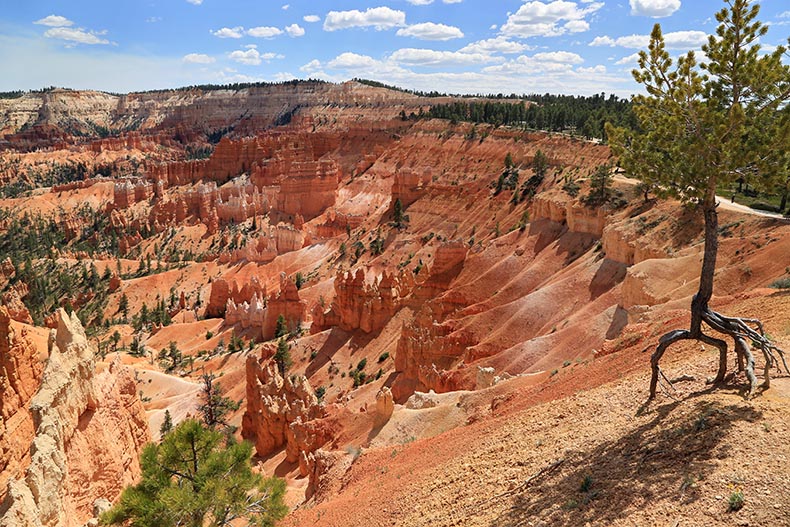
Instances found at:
x=700 y=302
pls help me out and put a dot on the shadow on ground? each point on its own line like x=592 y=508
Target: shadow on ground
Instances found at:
x=656 y=461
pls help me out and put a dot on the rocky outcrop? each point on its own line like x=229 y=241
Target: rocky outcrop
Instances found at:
x=13 y=301
x=653 y=282
x=103 y=455
x=250 y=314
x=622 y=243
x=427 y=353
x=89 y=431
x=280 y=239
x=20 y=377
x=408 y=184
x=385 y=406
x=448 y=256
x=309 y=189
x=550 y=207
x=223 y=291
x=361 y=302
x=126 y=193
x=249 y=306
x=7 y=268
x=275 y=405
x=586 y=220
x=286 y=303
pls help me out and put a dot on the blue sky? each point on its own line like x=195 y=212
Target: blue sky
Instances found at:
x=459 y=46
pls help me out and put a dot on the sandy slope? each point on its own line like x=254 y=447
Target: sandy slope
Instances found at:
x=522 y=460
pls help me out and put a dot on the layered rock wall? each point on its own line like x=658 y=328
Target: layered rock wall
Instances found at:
x=20 y=377
x=89 y=432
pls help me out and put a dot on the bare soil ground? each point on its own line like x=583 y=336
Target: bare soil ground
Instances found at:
x=563 y=453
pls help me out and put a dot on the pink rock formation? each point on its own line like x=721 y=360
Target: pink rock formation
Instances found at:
x=280 y=239
x=89 y=431
x=309 y=188
x=426 y=354
x=408 y=185
x=286 y=303
x=13 y=301
x=20 y=376
x=274 y=404
x=385 y=406
x=222 y=291
x=7 y=268
x=360 y=303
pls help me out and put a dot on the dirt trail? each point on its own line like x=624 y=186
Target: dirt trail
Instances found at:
x=724 y=203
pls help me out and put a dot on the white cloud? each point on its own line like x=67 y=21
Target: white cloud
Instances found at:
x=430 y=57
x=198 y=58
x=77 y=36
x=54 y=21
x=351 y=61
x=250 y=57
x=564 y=57
x=767 y=49
x=229 y=32
x=264 y=32
x=533 y=76
x=311 y=18
x=420 y=2
x=577 y=26
x=153 y=19
x=630 y=59
x=674 y=40
x=654 y=8
x=595 y=70
x=195 y=2
x=550 y=19
x=294 y=30
x=103 y=68
x=286 y=7
x=552 y=62
x=253 y=57
x=495 y=45
x=284 y=76
x=603 y=40
x=311 y=67
x=377 y=17
x=430 y=31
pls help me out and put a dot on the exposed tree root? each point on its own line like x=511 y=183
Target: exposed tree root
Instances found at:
x=741 y=330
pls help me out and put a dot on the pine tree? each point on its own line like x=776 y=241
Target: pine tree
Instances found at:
x=214 y=406
x=167 y=424
x=540 y=164
x=702 y=126
x=398 y=218
x=198 y=477
x=282 y=356
x=123 y=306
x=115 y=338
x=281 y=326
x=600 y=185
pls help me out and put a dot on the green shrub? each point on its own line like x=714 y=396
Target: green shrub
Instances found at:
x=735 y=501
x=782 y=283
